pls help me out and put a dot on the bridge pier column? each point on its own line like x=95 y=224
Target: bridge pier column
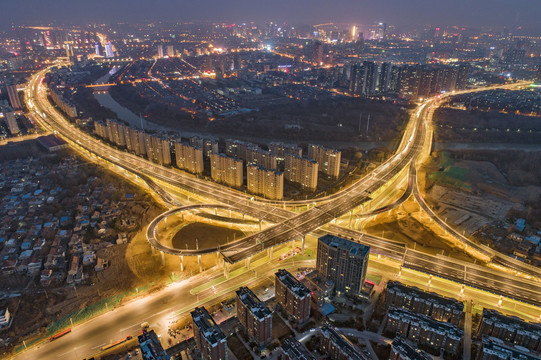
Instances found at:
x=215 y=211
x=153 y=250
x=226 y=269
x=269 y=252
x=182 y=213
x=163 y=258
x=182 y=263
x=199 y=262
x=302 y=244
x=259 y=224
x=247 y=263
x=243 y=215
x=350 y=217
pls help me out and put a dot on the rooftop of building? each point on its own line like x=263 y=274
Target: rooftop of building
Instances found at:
x=289 y=146
x=292 y=283
x=338 y=242
x=342 y=342
x=227 y=157
x=407 y=350
x=207 y=326
x=295 y=350
x=50 y=141
x=333 y=150
x=425 y=321
x=299 y=157
x=511 y=321
x=264 y=168
x=506 y=351
x=458 y=305
x=252 y=302
x=151 y=348
x=179 y=141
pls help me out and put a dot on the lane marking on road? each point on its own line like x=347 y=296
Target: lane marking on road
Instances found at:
x=129 y=327
x=72 y=350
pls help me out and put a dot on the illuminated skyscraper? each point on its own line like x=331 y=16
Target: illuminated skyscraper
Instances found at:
x=109 y=53
x=209 y=146
x=342 y=261
x=99 y=49
x=436 y=85
x=394 y=80
x=281 y=150
x=116 y=132
x=409 y=81
x=160 y=51
x=514 y=56
x=294 y=297
x=254 y=316
x=268 y=183
x=256 y=156
x=384 y=77
x=381 y=31
x=69 y=50
x=450 y=78
x=357 y=78
x=158 y=149
x=328 y=159
x=371 y=77
x=425 y=83
x=226 y=170
x=353 y=33
x=239 y=149
x=100 y=129
x=364 y=78
x=301 y=171
x=337 y=346
x=189 y=158
x=462 y=77
x=208 y=336
x=317 y=52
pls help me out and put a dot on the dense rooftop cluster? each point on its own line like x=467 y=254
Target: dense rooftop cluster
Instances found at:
x=51 y=215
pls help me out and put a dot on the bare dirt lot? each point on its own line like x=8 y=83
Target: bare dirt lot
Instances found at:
x=473 y=188
x=410 y=225
x=205 y=235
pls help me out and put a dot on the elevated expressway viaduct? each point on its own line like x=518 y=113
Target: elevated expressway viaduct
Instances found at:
x=289 y=225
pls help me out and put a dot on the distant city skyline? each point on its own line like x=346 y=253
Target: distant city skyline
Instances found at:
x=415 y=12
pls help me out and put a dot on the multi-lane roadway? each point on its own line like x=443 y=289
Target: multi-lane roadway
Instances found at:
x=328 y=208
x=288 y=225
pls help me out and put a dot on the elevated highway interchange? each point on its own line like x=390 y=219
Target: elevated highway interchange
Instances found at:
x=289 y=225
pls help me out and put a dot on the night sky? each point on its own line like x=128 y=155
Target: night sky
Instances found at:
x=397 y=12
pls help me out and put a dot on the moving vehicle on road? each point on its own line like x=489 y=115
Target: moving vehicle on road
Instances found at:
x=118 y=342
x=60 y=334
